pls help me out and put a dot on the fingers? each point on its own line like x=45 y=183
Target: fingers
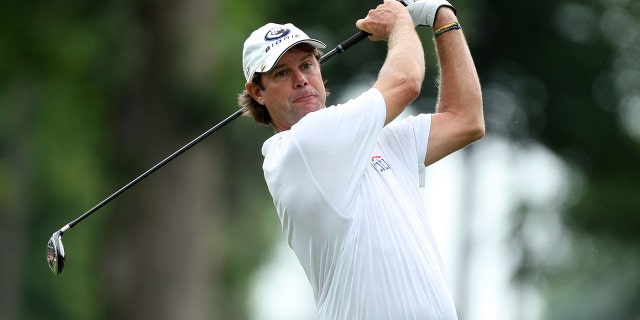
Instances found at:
x=371 y=24
x=380 y=21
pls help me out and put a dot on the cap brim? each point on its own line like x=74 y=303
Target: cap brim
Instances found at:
x=271 y=60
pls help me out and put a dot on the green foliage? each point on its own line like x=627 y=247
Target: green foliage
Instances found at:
x=560 y=72
x=92 y=94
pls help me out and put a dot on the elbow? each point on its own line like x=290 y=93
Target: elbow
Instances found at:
x=471 y=125
x=475 y=126
x=470 y=133
x=413 y=86
x=477 y=132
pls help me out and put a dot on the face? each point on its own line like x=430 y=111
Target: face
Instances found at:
x=293 y=88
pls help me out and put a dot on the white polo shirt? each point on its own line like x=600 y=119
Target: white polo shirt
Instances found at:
x=346 y=189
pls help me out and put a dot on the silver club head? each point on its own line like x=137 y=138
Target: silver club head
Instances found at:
x=55 y=253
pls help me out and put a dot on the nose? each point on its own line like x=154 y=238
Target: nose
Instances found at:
x=300 y=79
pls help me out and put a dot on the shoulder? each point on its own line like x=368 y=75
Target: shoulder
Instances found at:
x=369 y=103
x=274 y=140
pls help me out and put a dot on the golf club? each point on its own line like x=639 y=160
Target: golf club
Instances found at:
x=55 y=249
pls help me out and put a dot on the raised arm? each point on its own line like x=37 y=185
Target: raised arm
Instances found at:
x=402 y=73
x=458 y=120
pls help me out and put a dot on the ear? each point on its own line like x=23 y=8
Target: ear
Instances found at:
x=255 y=92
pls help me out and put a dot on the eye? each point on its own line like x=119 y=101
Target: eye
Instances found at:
x=308 y=66
x=280 y=73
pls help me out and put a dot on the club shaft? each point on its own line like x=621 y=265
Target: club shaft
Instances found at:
x=338 y=49
x=157 y=166
x=344 y=45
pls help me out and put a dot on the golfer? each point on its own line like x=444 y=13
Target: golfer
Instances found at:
x=344 y=179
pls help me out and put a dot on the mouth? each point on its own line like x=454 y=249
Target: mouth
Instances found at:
x=304 y=95
x=304 y=98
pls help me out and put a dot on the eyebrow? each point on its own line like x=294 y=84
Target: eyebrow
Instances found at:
x=280 y=65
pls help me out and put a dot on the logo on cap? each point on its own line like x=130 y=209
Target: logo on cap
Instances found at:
x=276 y=33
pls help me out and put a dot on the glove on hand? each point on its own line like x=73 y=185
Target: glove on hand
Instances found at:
x=423 y=12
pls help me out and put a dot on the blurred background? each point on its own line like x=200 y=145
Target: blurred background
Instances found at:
x=539 y=220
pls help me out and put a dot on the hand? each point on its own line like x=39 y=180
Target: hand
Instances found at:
x=423 y=12
x=386 y=17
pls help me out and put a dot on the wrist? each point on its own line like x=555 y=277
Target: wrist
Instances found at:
x=444 y=16
x=423 y=12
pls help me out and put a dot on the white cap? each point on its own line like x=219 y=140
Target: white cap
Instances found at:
x=265 y=46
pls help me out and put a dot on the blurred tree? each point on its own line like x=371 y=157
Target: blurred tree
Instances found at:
x=566 y=74
x=91 y=95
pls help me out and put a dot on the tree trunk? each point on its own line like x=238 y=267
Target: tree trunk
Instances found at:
x=160 y=257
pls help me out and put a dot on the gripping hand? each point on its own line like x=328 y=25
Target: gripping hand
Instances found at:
x=423 y=12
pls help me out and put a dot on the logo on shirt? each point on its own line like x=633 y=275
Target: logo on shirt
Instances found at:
x=380 y=164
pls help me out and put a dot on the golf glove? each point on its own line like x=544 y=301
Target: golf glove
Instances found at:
x=423 y=12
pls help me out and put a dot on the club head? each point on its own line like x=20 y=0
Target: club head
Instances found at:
x=55 y=253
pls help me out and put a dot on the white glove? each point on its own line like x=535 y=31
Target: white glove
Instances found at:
x=423 y=12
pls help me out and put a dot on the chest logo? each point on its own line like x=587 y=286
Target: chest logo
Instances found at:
x=380 y=164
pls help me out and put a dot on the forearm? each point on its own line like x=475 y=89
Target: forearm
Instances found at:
x=405 y=56
x=458 y=120
x=403 y=70
x=460 y=92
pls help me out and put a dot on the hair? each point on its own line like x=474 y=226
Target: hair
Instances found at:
x=251 y=107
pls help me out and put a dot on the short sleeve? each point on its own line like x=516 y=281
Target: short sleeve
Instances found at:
x=336 y=143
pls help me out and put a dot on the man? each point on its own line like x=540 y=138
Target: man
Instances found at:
x=345 y=180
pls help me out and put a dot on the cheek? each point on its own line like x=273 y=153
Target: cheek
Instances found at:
x=271 y=95
x=319 y=85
